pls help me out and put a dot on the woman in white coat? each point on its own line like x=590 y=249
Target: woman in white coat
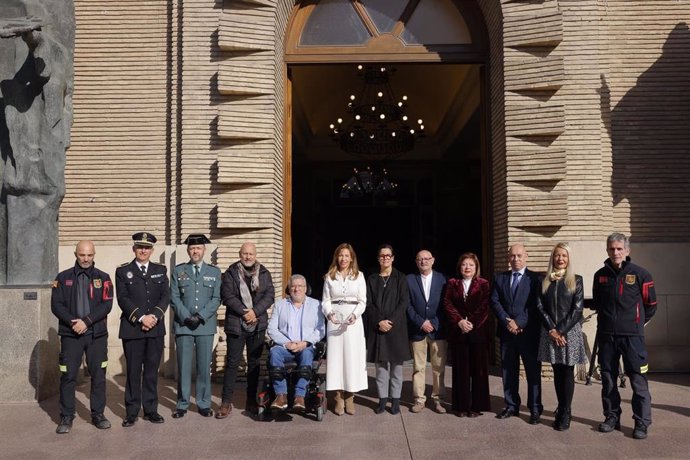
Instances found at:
x=343 y=302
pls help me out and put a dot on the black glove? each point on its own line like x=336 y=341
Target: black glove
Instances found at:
x=192 y=322
x=200 y=318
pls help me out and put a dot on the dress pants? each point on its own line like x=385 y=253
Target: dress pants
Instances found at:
x=512 y=349
x=634 y=353
x=389 y=379
x=437 y=350
x=200 y=346
x=143 y=357
x=72 y=349
x=255 y=345
x=471 y=377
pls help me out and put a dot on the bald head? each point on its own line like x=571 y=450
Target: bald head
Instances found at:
x=248 y=254
x=85 y=252
x=425 y=262
x=517 y=256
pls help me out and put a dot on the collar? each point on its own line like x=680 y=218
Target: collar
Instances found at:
x=78 y=270
x=521 y=272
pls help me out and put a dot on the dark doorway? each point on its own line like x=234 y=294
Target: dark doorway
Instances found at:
x=438 y=200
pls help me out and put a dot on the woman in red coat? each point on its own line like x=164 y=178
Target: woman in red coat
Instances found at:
x=466 y=304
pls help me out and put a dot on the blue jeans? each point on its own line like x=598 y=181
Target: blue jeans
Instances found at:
x=279 y=355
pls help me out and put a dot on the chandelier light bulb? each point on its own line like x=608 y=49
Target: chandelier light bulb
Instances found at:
x=340 y=120
x=352 y=134
x=412 y=131
x=357 y=117
x=393 y=134
x=383 y=69
x=373 y=108
x=359 y=67
x=420 y=121
x=421 y=127
x=404 y=118
x=380 y=94
x=400 y=104
x=371 y=136
x=382 y=117
x=331 y=126
x=404 y=98
x=352 y=97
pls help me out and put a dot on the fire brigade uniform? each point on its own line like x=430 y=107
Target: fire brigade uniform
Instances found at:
x=625 y=301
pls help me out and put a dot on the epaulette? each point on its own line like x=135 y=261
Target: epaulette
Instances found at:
x=180 y=265
x=125 y=264
x=156 y=263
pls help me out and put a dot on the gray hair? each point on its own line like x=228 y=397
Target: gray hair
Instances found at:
x=296 y=277
x=618 y=237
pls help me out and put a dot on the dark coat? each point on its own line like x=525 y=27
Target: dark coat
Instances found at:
x=139 y=295
x=419 y=310
x=560 y=309
x=387 y=303
x=474 y=308
x=63 y=301
x=232 y=299
x=523 y=308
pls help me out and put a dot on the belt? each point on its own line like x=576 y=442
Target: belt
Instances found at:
x=346 y=302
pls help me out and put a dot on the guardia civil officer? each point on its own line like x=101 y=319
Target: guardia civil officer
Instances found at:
x=143 y=294
x=82 y=297
x=625 y=300
x=195 y=297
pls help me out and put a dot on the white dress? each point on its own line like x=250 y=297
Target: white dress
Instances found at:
x=346 y=362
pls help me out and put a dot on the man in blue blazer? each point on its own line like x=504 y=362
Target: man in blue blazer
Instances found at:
x=513 y=300
x=426 y=331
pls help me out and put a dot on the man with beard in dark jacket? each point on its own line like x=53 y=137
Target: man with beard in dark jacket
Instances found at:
x=81 y=299
x=247 y=293
x=625 y=300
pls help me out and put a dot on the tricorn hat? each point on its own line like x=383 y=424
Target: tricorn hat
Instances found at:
x=196 y=238
x=144 y=239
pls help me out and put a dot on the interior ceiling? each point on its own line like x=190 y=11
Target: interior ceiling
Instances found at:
x=445 y=96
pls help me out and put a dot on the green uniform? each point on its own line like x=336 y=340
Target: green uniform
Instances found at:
x=191 y=294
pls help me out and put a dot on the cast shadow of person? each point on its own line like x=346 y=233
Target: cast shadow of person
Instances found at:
x=44 y=374
x=649 y=130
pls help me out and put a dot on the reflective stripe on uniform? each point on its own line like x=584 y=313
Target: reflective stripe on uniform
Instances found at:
x=104 y=364
x=63 y=367
x=644 y=369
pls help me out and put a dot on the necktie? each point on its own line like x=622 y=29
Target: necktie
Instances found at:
x=196 y=271
x=143 y=270
x=83 y=307
x=516 y=281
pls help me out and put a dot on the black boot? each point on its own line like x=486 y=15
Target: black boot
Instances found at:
x=382 y=406
x=395 y=406
x=557 y=418
x=564 y=423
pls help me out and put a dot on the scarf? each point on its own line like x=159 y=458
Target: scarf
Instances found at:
x=557 y=275
x=245 y=292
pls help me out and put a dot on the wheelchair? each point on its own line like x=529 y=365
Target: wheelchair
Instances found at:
x=315 y=397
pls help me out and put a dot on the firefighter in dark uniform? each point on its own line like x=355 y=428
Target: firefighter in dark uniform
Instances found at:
x=143 y=294
x=625 y=300
x=82 y=297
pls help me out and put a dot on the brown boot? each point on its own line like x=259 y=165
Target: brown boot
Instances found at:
x=225 y=409
x=339 y=408
x=350 y=403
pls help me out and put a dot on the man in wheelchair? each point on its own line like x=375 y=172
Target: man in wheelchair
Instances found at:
x=296 y=326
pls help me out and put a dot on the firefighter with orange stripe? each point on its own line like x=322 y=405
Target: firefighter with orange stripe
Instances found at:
x=625 y=300
x=82 y=297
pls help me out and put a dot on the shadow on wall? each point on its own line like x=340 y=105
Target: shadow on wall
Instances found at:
x=650 y=136
x=43 y=370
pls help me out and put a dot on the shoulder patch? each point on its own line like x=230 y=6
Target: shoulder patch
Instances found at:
x=603 y=279
x=55 y=284
x=630 y=279
x=125 y=264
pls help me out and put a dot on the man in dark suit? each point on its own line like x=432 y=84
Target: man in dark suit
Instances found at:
x=143 y=294
x=195 y=294
x=426 y=331
x=513 y=300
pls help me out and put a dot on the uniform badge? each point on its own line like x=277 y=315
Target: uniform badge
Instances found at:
x=144 y=236
x=69 y=282
x=97 y=284
x=630 y=279
x=55 y=284
x=603 y=279
x=130 y=275
x=183 y=276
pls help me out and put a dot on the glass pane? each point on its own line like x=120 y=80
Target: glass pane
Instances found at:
x=384 y=13
x=436 y=22
x=333 y=23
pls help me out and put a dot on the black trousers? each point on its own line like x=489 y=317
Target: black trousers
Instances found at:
x=143 y=358
x=470 y=363
x=564 y=383
x=512 y=349
x=634 y=353
x=72 y=350
x=255 y=346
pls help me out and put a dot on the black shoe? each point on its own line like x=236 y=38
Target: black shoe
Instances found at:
x=381 y=408
x=206 y=412
x=534 y=417
x=640 y=430
x=130 y=420
x=395 y=406
x=65 y=425
x=611 y=423
x=507 y=412
x=154 y=417
x=564 y=422
x=557 y=418
x=179 y=413
x=100 y=422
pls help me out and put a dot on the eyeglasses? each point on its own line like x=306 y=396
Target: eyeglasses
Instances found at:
x=385 y=256
x=424 y=259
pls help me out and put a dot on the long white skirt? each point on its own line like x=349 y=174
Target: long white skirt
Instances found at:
x=346 y=356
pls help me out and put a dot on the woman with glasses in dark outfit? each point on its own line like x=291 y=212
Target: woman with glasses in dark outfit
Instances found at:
x=467 y=307
x=387 y=344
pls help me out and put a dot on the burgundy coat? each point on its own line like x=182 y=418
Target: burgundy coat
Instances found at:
x=475 y=308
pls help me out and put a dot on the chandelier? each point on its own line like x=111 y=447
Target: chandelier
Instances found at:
x=378 y=129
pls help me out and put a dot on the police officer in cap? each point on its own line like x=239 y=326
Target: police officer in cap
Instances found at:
x=195 y=298
x=82 y=297
x=143 y=295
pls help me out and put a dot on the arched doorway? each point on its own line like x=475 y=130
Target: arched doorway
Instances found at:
x=438 y=49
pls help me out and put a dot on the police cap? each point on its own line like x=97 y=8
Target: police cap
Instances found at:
x=144 y=239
